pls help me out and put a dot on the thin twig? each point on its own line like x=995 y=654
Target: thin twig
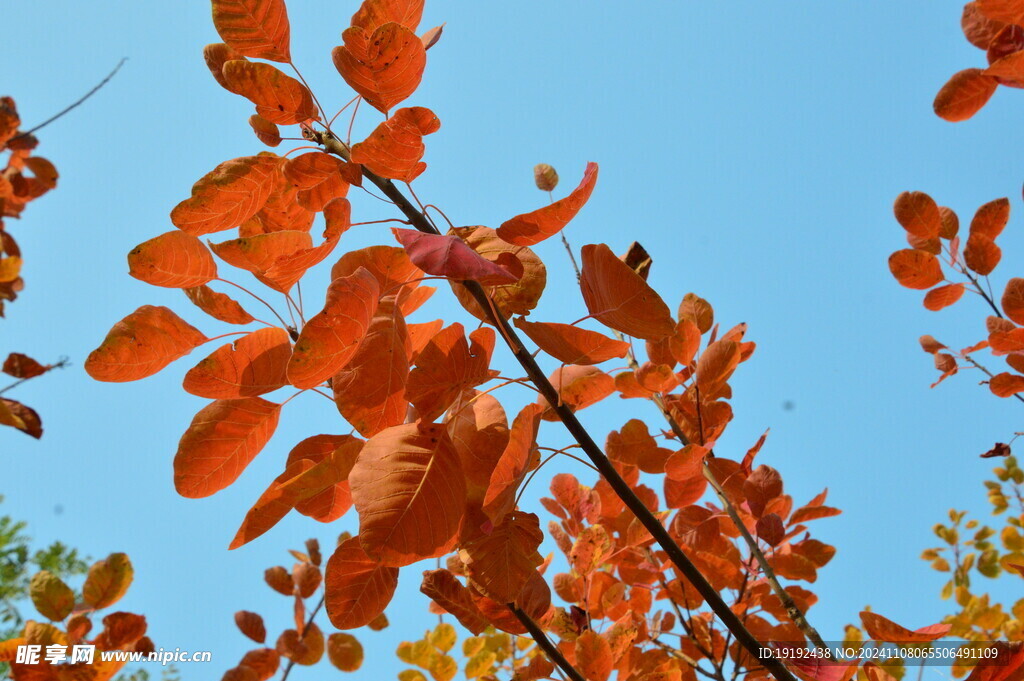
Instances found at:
x=86 y=96
x=545 y=644
x=309 y=621
x=61 y=363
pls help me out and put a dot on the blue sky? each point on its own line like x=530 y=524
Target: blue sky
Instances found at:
x=754 y=149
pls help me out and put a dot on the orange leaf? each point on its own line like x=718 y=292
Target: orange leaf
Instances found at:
x=915 y=269
x=571 y=344
x=578 y=387
x=979 y=29
x=255 y=28
x=278 y=97
x=218 y=305
x=345 y=652
x=594 y=656
x=323 y=491
x=375 y=13
x=227 y=196
x=447 y=366
x=918 y=214
x=273 y=505
x=1006 y=384
x=715 y=366
x=142 y=344
x=356 y=587
x=20 y=416
x=252 y=365
x=1013 y=300
x=408 y=488
x=266 y=131
x=251 y=624
x=287 y=269
x=390 y=265
x=502 y=562
x=258 y=254
x=394 y=149
x=216 y=55
x=318 y=177
x=1010 y=11
x=619 y=298
x=479 y=431
x=370 y=389
x=385 y=65
x=532 y=228
x=442 y=587
x=991 y=218
x=330 y=339
x=221 y=441
x=174 y=259
x=943 y=296
x=265 y=661
x=23 y=366
x=965 y=93
x=881 y=629
x=513 y=464
x=981 y=253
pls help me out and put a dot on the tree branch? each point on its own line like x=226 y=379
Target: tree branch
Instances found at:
x=621 y=488
x=549 y=648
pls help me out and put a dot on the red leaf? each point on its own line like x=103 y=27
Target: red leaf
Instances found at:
x=1010 y=11
x=981 y=253
x=218 y=305
x=23 y=366
x=881 y=629
x=394 y=149
x=991 y=218
x=532 y=228
x=375 y=13
x=1006 y=384
x=251 y=624
x=918 y=214
x=221 y=441
x=449 y=256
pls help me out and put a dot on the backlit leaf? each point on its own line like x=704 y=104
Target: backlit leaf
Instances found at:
x=385 y=65
x=323 y=491
x=981 y=253
x=594 y=656
x=915 y=269
x=223 y=438
x=227 y=196
x=511 y=468
x=107 y=581
x=1013 y=300
x=174 y=259
x=447 y=255
x=356 y=587
x=408 y=488
x=1009 y=11
x=370 y=389
x=447 y=366
x=619 y=298
x=51 y=596
x=345 y=652
x=502 y=562
x=23 y=366
x=918 y=214
x=142 y=344
x=375 y=13
x=331 y=338
x=964 y=94
x=251 y=624
x=532 y=228
x=991 y=218
x=1006 y=384
x=252 y=365
x=216 y=55
x=515 y=298
x=943 y=296
x=394 y=149
x=266 y=131
x=20 y=416
x=450 y=594
x=571 y=344
x=881 y=629
x=578 y=387
x=278 y=97
x=255 y=28
x=273 y=505
x=220 y=306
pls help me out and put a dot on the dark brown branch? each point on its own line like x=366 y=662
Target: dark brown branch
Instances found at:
x=549 y=648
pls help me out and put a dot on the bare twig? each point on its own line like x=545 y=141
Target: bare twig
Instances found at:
x=86 y=96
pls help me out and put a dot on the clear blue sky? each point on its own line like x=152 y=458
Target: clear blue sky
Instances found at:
x=755 y=149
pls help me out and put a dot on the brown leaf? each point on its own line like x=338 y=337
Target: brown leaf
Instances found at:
x=965 y=93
